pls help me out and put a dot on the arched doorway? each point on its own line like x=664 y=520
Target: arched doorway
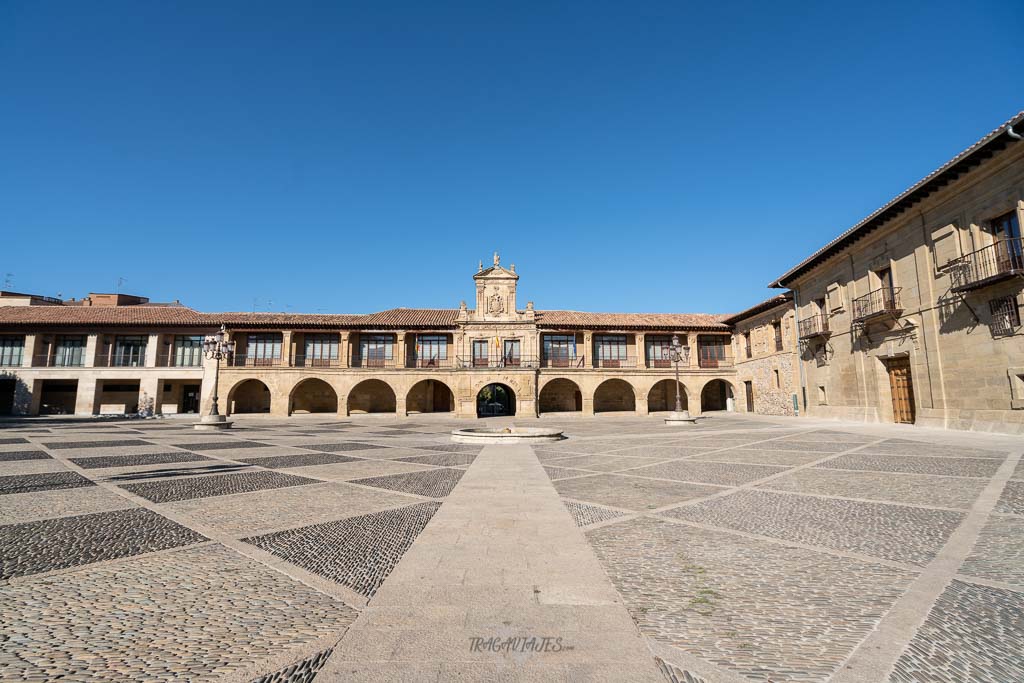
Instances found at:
x=314 y=395
x=614 y=395
x=495 y=400
x=249 y=396
x=561 y=396
x=662 y=396
x=715 y=395
x=372 y=396
x=430 y=396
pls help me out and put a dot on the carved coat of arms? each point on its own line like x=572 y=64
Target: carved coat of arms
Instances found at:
x=495 y=304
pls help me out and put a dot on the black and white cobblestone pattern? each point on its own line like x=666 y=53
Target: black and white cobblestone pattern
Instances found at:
x=47 y=545
x=441 y=459
x=140 y=459
x=585 y=515
x=221 y=445
x=11 y=456
x=27 y=483
x=186 y=488
x=298 y=460
x=109 y=443
x=431 y=483
x=299 y=672
x=358 y=552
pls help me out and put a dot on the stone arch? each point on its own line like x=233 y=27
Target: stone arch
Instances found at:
x=614 y=395
x=313 y=395
x=430 y=396
x=249 y=396
x=560 y=395
x=716 y=394
x=372 y=396
x=495 y=399
x=662 y=396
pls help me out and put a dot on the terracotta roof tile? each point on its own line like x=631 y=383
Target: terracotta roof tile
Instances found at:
x=682 y=321
x=765 y=305
x=245 y=319
x=413 y=317
x=101 y=315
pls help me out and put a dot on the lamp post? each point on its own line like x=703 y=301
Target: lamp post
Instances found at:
x=215 y=347
x=679 y=354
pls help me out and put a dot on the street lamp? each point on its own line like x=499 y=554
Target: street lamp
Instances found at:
x=215 y=347
x=679 y=354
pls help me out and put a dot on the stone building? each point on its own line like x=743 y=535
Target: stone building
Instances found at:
x=913 y=315
x=120 y=354
x=764 y=346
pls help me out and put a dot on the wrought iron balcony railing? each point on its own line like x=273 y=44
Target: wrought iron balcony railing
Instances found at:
x=429 y=363
x=572 y=362
x=1002 y=259
x=508 y=362
x=192 y=359
x=615 y=362
x=885 y=301
x=715 y=362
x=241 y=360
x=59 y=360
x=378 y=362
x=308 y=361
x=815 y=326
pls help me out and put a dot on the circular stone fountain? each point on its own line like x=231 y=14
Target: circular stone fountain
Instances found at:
x=507 y=435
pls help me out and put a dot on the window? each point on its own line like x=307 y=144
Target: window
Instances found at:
x=11 y=349
x=834 y=297
x=321 y=350
x=822 y=397
x=480 y=352
x=431 y=349
x=70 y=351
x=747 y=346
x=1009 y=252
x=777 y=330
x=659 y=351
x=559 y=349
x=264 y=348
x=375 y=350
x=777 y=378
x=1005 y=314
x=188 y=351
x=511 y=355
x=130 y=350
x=610 y=350
x=711 y=351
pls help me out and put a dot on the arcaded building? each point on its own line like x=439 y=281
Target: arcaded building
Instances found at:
x=914 y=314
x=120 y=354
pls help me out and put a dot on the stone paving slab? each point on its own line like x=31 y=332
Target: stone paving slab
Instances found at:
x=998 y=553
x=759 y=457
x=724 y=474
x=27 y=483
x=893 y=532
x=32 y=454
x=910 y=489
x=276 y=509
x=631 y=493
x=185 y=488
x=503 y=527
x=972 y=633
x=602 y=463
x=50 y=544
x=27 y=467
x=189 y=615
x=29 y=507
x=766 y=611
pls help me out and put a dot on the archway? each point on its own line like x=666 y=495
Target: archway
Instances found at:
x=561 y=396
x=662 y=396
x=314 y=395
x=372 y=396
x=495 y=400
x=715 y=395
x=249 y=396
x=614 y=395
x=430 y=396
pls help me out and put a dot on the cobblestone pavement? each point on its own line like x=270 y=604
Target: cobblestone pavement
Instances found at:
x=745 y=548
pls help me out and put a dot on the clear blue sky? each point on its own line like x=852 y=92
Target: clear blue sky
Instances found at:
x=348 y=158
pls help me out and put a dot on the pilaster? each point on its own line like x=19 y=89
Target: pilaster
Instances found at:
x=152 y=350
x=150 y=390
x=86 y=398
x=286 y=348
x=29 y=351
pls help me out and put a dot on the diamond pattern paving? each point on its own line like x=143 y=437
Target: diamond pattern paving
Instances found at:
x=141 y=459
x=26 y=483
x=186 y=488
x=432 y=483
x=631 y=493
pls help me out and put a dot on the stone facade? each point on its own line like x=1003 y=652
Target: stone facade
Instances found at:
x=764 y=344
x=931 y=287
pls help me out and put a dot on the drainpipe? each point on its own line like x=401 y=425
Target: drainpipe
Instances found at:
x=799 y=359
x=1012 y=134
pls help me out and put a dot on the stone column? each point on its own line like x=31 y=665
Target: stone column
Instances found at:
x=29 y=350
x=153 y=350
x=286 y=348
x=641 y=405
x=26 y=400
x=694 y=350
x=588 y=353
x=400 y=408
x=206 y=389
x=693 y=401
x=641 y=351
x=150 y=388
x=343 y=357
x=400 y=350
x=588 y=405
x=86 y=398
x=91 y=349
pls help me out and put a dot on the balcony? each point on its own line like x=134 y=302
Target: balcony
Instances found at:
x=376 y=362
x=713 y=363
x=999 y=261
x=429 y=363
x=315 y=361
x=246 y=361
x=506 y=362
x=76 y=360
x=191 y=359
x=614 y=363
x=815 y=326
x=573 y=362
x=881 y=302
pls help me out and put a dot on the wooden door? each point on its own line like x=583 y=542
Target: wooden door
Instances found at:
x=750 y=396
x=902 y=386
